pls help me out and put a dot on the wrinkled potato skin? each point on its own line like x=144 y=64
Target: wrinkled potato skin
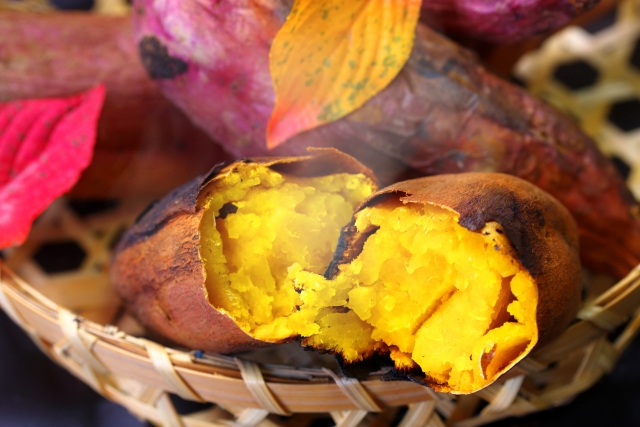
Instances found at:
x=157 y=270
x=541 y=231
x=457 y=117
x=141 y=150
x=443 y=113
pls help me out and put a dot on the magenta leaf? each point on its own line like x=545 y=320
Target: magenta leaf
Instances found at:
x=44 y=146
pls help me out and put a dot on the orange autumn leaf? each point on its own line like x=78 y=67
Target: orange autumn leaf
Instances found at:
x=331 y=56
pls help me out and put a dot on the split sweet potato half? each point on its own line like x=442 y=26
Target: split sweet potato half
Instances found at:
x=454 y=278
x=457 y=277
x=187 y=265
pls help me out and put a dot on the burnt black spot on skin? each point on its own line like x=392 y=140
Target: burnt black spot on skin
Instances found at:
x=247 y=161
x=147 y=209
x=157 y=61
x=180 y=201
x=541 y=220
x=496 y=247
x=519 y=222
x=214 y=172
x=227 y=209
x=350 y=244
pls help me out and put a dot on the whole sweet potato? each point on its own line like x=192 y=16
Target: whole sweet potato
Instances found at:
x=145 y=145
x=455 y=278
x=444 y=113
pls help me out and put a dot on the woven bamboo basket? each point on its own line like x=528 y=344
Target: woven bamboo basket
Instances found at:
x=75 y=318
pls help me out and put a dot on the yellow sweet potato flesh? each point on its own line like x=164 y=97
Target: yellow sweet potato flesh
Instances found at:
x=436 y=296
x=280 y=221
x=451 y=301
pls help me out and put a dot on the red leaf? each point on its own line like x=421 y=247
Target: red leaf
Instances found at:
x=44 y=145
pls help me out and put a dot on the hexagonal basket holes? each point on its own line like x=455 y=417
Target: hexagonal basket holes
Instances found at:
x=625 y=114
x=59 y=256
x=576 y=75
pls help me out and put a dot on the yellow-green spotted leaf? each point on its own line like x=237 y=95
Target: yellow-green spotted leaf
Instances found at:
x=331 y=56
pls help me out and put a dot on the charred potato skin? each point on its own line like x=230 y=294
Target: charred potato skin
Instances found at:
x=156 y=267
x=543 y=235
x=157 y=272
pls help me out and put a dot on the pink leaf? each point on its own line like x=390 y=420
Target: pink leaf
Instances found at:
x=44 y=145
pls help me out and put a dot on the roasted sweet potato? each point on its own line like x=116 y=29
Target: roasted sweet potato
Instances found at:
x=458 y=277
x=455 y=278
x=444 y=113
x=268 y=214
